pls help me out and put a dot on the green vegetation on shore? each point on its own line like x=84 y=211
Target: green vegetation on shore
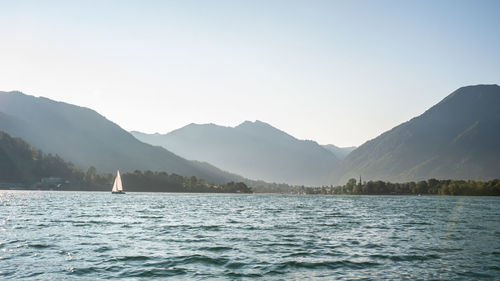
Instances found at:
x=23 y=165
x=160 y=182
x=427 y=187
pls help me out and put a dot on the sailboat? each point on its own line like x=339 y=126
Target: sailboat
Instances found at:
x=117 y=185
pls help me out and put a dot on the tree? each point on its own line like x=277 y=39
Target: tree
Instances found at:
x=90 y=175
x=421 y=187
x=350 y=185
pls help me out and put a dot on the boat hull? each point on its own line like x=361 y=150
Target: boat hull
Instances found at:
x=117 y=192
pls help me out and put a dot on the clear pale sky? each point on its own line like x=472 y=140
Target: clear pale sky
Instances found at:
x=339 y=72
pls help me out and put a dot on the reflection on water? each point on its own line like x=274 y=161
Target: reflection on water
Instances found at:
x=66 y=235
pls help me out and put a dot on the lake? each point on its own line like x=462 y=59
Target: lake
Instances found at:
x=142 y=236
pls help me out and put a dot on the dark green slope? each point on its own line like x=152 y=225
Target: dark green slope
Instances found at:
x=22 y=163
x=86 y=138
x=458 y=138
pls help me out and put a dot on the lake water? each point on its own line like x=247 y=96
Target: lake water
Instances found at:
x=141 y=236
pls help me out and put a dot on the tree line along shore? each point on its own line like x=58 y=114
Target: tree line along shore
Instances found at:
x=22 y=166
x=424 y=187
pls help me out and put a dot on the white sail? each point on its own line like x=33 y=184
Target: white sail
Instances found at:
x=117 y=185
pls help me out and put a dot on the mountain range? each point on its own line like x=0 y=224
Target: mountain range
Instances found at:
x=458 y=138
x=254 y=149
x=84 y=137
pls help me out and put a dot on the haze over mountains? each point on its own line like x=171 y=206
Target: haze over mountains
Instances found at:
x=86 y=138
x=339 y=152
x=458 y=138
x=256 y=150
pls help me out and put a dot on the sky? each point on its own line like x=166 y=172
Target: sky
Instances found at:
x=337 y=72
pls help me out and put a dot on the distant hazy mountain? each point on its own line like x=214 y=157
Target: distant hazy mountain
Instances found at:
x=85 y=138
x=458 y=138
x=340 y=152
x=253 y=149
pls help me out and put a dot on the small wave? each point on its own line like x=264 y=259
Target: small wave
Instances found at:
x=476 y=275
x=406 y=257
x=235 y=265
x=327 y=224
x=283 y=244
x=155 y=272
x=323 y=265
x=440 y=250
x=216 y=249
x=273 y=210
x=495 y=267
x=372 y=246
x=416 y=223
x=150 y=217
x=186 y=240
x=200 y=259
x=238 y=275
x=334 y=215
x=33 y=274
x=42 y=225
x=102 y=249
x=81 y=224
x=210 y=227
x=102 y=222
x=133 y=258
x=184 y=260
x=299 y=254
x=39 y=246
x=85 y=216
x=83 y=271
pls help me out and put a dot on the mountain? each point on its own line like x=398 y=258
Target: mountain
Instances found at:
x=458 y=138
x=253 y=149
x=86 y=138
x=339 y=152
x=22 y=163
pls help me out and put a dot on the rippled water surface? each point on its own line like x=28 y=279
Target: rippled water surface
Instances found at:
x=85 y=235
